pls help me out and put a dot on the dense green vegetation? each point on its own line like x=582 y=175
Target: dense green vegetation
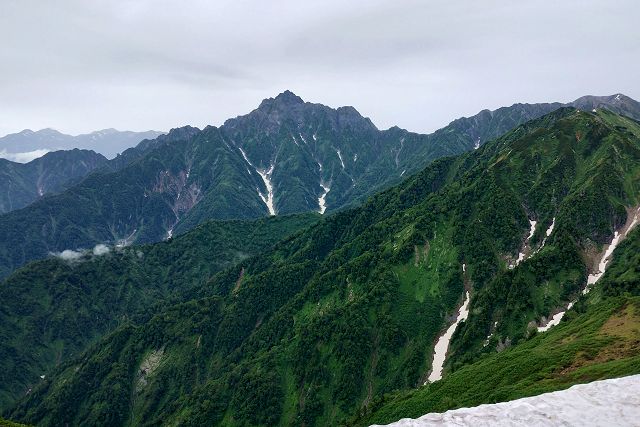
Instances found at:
x=7 y=423
x=599 y=340
x=179 y=180
x=597 y=344
x=52 y=309
x=332 y=319
x=21 y=184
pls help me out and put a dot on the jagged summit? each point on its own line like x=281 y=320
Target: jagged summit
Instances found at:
x=284 y=99
x=289 y=97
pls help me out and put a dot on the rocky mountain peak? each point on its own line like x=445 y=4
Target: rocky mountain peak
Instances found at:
x=285 y=100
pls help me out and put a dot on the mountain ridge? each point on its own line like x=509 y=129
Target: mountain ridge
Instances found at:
x=29 y=144
x=23 y=183
x=349 y=309
x=285 y=156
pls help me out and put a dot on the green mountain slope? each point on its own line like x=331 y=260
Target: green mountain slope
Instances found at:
x=21 y=184
x=350 y=309
x=284 y=157
x=599 y=340
x=53 y=309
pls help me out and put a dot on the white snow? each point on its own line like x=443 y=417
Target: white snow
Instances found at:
x=169 y=233
x=403 y=172
x=340 y=157
x=266 y=177
x=550 y=229
x=265 y=174
x=355 y=158
x=606 y=257
x=314 y=137
x=532 y=230
x=593 y=278
x=246 y=159
x=555 y=320
x=127 y=240
x=548 y=233
x=322 y=203
x=614 y=402
x=594 y=110
x=442 y=346
x=477 y=144
x=618 y=97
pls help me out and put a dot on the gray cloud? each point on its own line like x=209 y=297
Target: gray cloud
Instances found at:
x=78 y=66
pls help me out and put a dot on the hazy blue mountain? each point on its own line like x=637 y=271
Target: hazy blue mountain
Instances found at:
x=28 y=145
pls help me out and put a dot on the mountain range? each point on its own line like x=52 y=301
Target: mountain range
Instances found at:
x=338 y=322
x=23 y=183
x=28 y=145
x=286 y=156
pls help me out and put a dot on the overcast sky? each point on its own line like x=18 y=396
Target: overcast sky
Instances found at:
x=83 y=65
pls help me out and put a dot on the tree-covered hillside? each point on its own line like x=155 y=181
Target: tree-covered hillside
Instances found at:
x=284 y=157
x=330 y=321
x=21 y=184
x=53 y=309
x=599 y=340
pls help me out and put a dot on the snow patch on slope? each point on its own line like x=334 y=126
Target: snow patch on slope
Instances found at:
x=322 y=200
x=268 y=199
x=442 y=346
x=525 y=249
x=596 y=275
x=127 y=241
x=600 y=403
x=340 y=157
x=548 y=233
x=265 y=174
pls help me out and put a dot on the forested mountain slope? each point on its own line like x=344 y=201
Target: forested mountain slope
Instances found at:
x=22 y=183
x=599 y=340
x=51 y=310
x=284 y=157
x=350 y=309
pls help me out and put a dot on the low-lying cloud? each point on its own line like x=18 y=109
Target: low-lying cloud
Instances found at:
x=25 y=157
x=71 y=255
x=101 y=249
x=68 y=255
